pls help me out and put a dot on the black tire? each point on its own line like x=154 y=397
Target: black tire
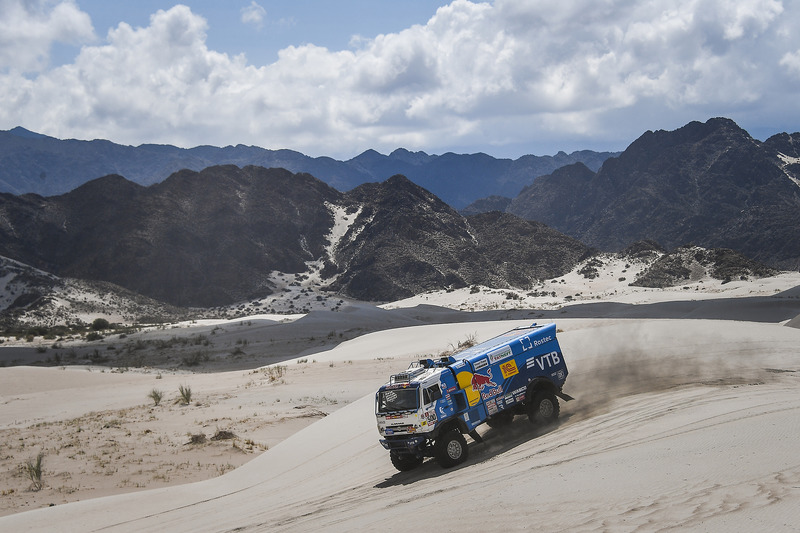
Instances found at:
x=500 y=420
x=451 y=448
x=404 y=461
x=543 y=410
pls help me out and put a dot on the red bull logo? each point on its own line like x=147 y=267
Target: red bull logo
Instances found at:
x=479 y=381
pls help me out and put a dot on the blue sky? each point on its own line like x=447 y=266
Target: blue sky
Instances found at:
x=272 y=25
x=508 y=77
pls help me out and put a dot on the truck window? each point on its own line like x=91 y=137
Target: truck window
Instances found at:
x=398 y=400
x=431 y=394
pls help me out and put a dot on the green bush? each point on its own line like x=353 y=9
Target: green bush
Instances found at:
x=33 y=469
x=186 y=394
x=100 y=324
x=156 y=396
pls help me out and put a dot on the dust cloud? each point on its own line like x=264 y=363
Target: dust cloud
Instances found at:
x=646 y=359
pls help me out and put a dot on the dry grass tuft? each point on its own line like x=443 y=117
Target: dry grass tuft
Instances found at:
x=33 y=469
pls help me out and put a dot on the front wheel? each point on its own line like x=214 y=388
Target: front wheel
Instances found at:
x=404 y=461
x=451 y=449
x=543 y=409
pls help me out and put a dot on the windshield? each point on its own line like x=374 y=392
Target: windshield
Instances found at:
x=398 y=400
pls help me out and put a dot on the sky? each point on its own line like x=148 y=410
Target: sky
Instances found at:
x=507 y=78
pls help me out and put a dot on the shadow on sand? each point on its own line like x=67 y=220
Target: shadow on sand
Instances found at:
x=495 y=442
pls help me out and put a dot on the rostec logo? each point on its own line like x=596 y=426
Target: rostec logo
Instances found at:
x=539 y=342
x=479 y=381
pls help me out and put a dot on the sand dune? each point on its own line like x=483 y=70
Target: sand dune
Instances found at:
x=677 y=424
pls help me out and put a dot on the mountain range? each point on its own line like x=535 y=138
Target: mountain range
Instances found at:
x=227 y=234
x=214 y=237
x=709 y=184
x=35 y=163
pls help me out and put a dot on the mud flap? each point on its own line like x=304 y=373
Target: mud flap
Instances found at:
x=565 y=397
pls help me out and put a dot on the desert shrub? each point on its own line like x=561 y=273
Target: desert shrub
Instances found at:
x=470 y=341
x=156 y=396
x=200 y=340
x=186 y=394
x=197 y=438
x=276 y=372
x=100 y=324
x=97 y=358
x=223 y=434
x=195 y=358
x=33 y=469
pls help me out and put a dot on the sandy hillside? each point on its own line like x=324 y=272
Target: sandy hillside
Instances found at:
x=677 y=424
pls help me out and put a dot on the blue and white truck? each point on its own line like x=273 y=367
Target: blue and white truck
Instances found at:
x=426 y=410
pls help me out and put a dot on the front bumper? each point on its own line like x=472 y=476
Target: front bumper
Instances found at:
x=408 y=444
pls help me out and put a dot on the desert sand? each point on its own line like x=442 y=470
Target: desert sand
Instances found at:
x=686 y=417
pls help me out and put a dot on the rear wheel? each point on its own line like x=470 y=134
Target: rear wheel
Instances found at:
x=451 y=449
x=404 y=461
x=543 y=409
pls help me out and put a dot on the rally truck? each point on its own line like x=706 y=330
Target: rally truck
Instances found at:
x=426 y=410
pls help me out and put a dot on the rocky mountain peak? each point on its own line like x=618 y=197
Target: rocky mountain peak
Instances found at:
x=709 y=183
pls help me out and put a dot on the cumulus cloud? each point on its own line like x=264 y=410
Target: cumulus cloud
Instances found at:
x=28 y=29
x=254 y=14
x=791 y=60
x=541 y=74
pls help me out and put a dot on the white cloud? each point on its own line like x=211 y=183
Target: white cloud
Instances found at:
x=791 y=60
x=29 y=28
x=254 y=14
x=541 y=73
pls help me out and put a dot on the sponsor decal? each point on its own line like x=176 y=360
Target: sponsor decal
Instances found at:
x=479 y=381
x=390 y=396
x=539 y=342
x=499 y=354
x=430 y=416
x=541 y=362
x=481 y=363
x=509 y=368
x=491 y=393
x=465 y=381
x=491 y=407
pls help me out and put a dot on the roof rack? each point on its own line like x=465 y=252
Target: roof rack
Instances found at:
x=407 y=376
